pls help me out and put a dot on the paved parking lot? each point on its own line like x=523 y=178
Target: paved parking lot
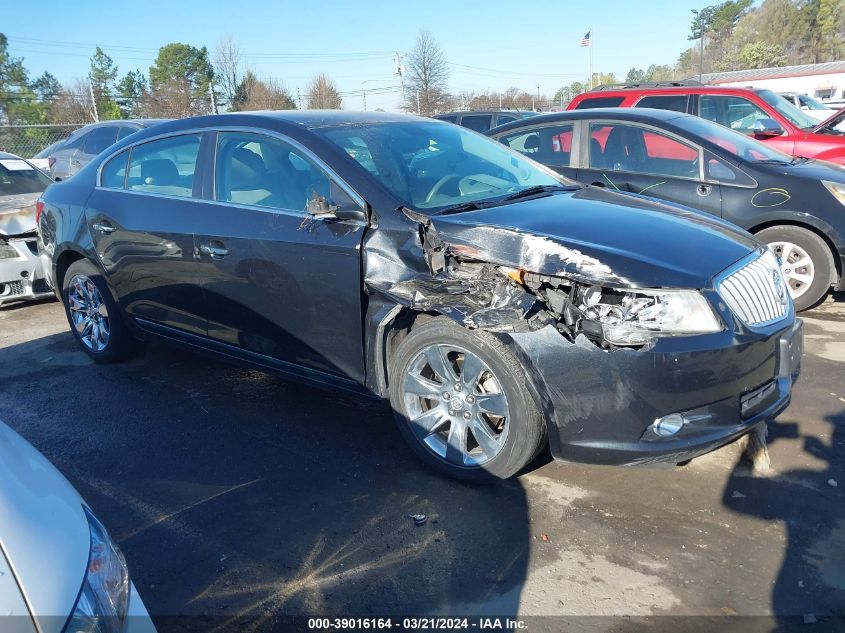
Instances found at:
x=232 y=492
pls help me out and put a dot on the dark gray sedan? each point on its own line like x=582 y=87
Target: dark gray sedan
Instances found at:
x=496 y=304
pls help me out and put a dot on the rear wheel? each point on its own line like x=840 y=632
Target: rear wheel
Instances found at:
x=460 y=400
x=93 y=315
x=806 y=263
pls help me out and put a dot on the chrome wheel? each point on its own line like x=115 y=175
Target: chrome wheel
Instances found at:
x=455 y=404
x=796 y=265
x=88 y=313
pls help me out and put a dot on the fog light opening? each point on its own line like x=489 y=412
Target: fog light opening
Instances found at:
x=669 y=424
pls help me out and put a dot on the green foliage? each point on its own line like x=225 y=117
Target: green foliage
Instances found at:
x=761 y=55
x=132 y=90
x=182 y=62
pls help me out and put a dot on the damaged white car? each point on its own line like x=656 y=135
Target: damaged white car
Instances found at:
x=21 y=274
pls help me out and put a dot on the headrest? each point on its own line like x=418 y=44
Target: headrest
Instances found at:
x=159 y=171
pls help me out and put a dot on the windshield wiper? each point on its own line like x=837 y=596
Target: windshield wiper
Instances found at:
x=533 y=191
x=773 y=161
x=800 y=160
x=466 y=206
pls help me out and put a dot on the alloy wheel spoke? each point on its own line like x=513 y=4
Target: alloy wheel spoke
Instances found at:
x=471 y=371
x=429 y=422
x=493 y=403
x=786 y=252
x=802 y=261
x=439 y=363
x=423 y=387
x=804 y=278
x=487 y=441
x=456 y=443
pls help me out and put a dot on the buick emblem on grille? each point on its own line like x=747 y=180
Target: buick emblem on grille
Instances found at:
x=779 y=287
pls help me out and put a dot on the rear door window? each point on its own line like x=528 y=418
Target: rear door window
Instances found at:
x=477 y=122
x=503 y=118
x=99 y=139
x=551 y=145
x=125 y=130
x=113 y=174
x=600 y=102
x=629 y=148
x=165 y=166
x=678 y=103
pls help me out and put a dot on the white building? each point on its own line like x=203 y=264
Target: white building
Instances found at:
x=825 y=82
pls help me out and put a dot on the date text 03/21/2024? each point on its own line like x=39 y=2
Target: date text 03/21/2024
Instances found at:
x=416 y=624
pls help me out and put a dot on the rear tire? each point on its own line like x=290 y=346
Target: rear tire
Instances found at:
x=480 y=421
x=94 y=317
x=806 y=263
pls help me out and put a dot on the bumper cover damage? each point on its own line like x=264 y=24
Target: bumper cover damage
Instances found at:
x=21 y=272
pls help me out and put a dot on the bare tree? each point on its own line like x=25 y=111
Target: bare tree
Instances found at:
x=73 y=104
x=263 y=94
x=228 y=62
x=427 y=76
x=323 y=94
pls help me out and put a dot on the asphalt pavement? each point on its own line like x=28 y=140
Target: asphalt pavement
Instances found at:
x=234 y=493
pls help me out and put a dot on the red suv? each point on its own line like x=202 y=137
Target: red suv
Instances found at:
x=763 y=114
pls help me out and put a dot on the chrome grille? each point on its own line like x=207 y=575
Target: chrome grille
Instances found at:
x=756 y=292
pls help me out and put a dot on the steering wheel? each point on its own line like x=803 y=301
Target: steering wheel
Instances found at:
x=440 y=184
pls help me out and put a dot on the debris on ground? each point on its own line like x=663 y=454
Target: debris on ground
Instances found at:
x=832 y=482
x=544 y=537
x=222 y=558
x=800 y=584
x=809 y=618
x=419 y=519
x=756 y=450
x=737 y=495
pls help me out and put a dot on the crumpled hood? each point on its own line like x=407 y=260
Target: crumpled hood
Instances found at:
x=599 y=236
x=17 y=213
x=43 y=530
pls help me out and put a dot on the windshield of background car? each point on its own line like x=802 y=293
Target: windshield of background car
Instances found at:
x=813 y=104
x=430 y=166
x=18 y=177
x=786 y=109
x=742 y=146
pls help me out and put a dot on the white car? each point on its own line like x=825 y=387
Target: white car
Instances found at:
x=812 y=107
x=60 y=572
x=21 y=274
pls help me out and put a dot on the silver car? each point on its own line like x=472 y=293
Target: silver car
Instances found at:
x=84 y=144
x=21 y=274
x=60 y=571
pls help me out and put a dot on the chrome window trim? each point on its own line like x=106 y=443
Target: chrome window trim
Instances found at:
x=332 y=174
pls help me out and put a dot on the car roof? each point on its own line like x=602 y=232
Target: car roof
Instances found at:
x=642 y=115
x=694 y=89
x=140 y=122
x=459 y=112
x=7 y=155
x=319 y=118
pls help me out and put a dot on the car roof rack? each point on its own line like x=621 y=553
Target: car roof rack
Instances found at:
x=647 y=84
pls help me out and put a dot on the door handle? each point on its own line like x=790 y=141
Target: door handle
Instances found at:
x=215 y=252
x=105 y=229
x=704 y=190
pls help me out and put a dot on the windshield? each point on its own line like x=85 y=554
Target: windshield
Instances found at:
x=811 y=103
x=736 y=143
x=18 y=177
x=787 y=110
x=430 y=166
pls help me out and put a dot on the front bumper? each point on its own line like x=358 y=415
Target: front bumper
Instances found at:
x=600 y=406
x=21 y=272
x=137 y=619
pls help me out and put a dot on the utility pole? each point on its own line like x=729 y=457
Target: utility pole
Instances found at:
x=364 y=97
x=418 y=103
x=298 y=98
x=400 y=70
x=93 y=101
x=538 y=93
x=211 y=94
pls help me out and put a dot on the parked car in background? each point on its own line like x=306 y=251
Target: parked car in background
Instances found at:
x=483 y=120
x=493 y=301
x=21 y=273
x=60 y=571
x=42 y=159
x=84 y=144
x=808 y=104
x=796 y=206
x=763 y=114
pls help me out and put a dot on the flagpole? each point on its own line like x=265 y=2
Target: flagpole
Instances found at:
x=592 y=41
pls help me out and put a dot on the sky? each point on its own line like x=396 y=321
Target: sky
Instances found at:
x=490 y=45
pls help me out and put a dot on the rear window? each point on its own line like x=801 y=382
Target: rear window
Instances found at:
x=18 y=177
x=477 y=122
x=600 y=102
x=678 y=103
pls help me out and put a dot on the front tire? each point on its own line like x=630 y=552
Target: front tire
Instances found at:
x=93 y=315
x=806 y=263
x=460 y=401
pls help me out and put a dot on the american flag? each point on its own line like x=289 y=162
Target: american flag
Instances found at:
x=585 y=41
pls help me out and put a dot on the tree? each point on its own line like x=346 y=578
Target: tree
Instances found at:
x=635 y=76
x=761 y=55
x=133 y=92
x=102 y=75
x=253 y=93
x=427 y=76
x=46 y=86
x=13 y=78
x=323 y=94
x=831 y=22
x=181 y=74
x=228 y=62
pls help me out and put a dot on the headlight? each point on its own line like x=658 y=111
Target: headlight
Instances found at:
x=105 y=592
x=837 y=189
x=634 y=317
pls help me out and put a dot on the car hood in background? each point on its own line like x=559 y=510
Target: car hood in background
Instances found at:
x=43 y=531
x=599 y=236
x=17 y=213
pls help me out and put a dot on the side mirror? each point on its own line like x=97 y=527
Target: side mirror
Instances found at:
x=765 y=128
x=320 y=207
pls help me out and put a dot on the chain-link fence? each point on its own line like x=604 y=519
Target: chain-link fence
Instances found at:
x=27 y=140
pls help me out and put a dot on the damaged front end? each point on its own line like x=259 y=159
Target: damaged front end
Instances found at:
x=21 y=272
